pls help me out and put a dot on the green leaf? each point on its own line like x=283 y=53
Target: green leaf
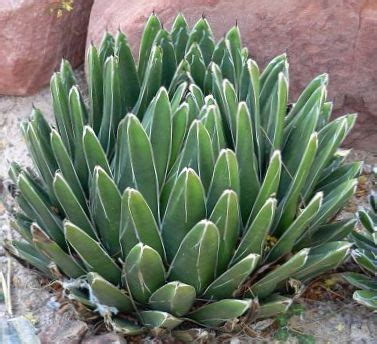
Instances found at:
x=106 y=48
x=61 y=110
x=254 y=239
x=197 y=153
x=270 y=282
x=157 y=123
x=151 y=29
x=247 y=161
x=275 y=305
x=169 y=63
x=323 y=258
x=217 y=313
x=269 y=186
x=95 y=91
x=108 y=294
x=45 y=216
x=366 y=259
x=67 y=169
x=158 y=319
x=197 y=65
x=125 y=327
x=94 y=153
x=196 y=258
x=366 y=298
x=295 y=230
x=228 y=283
x=291 y=199
x=106 y=206
x=179 y=34
x=151 y=81
x=92 y=254
x=185 y=207
x=225 y=216
x=66 y=263
x=128 y=77
x=179 y=130
x=112 y=105
x=360 y=281
x=225 y=176
x=175 y=298
x=28 y=253
x=143 y=272
x=138 y=224
x=71 y=206
x=79 y=118
x=134 y=163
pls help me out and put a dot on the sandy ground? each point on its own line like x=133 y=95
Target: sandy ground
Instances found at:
x=327 y=319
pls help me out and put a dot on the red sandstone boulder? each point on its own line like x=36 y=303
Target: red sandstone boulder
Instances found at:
x=334 y=36
x=33 y=40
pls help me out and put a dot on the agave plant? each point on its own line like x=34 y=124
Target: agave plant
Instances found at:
x=365 y=255
x=185 y=188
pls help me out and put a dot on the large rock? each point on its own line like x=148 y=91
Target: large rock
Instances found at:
x=33 y=40
x=334 y=36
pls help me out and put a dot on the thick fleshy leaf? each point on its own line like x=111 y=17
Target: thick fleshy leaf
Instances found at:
x=112 y=105
x=197 y=153
x=179 y=129
x=151 y=81
x=157 y=123
x=71 y=206
x=225 y=176
x=217 y=313
x=254 y=239
x=95 y=85
x=366 y=259
x=225 y=216
x=326 y=233
x=134 y=162
x=360 y=281
x=106 y=210
x=138 y=224
x=275 y=305
x=295 y=230
x=227 y=284
x=269 y=186
x=186 y=206
x=169 y=63
x=323 y=258
x=158 y=319
x=291 y=199
x=247 y=161
x=270 y=282
x=51 y=249
x=179 y=34
x=196 y=259
x=125 y=327
x=143 y=272
x=151 y=29
x=61 y=110
x=175 y=298
x=128 y=77
x=92 y=254
x=366 y=298
x=45 y=216
x=108 y=295
x=29 y=254
x=67 y=169
x=94 y=152
x=79 y=117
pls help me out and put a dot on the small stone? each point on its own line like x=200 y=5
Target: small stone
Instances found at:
x=108 y=338
x=68 y=331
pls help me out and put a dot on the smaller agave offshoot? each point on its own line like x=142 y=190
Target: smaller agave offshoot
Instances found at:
x=185 y=188
x=365 y=255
